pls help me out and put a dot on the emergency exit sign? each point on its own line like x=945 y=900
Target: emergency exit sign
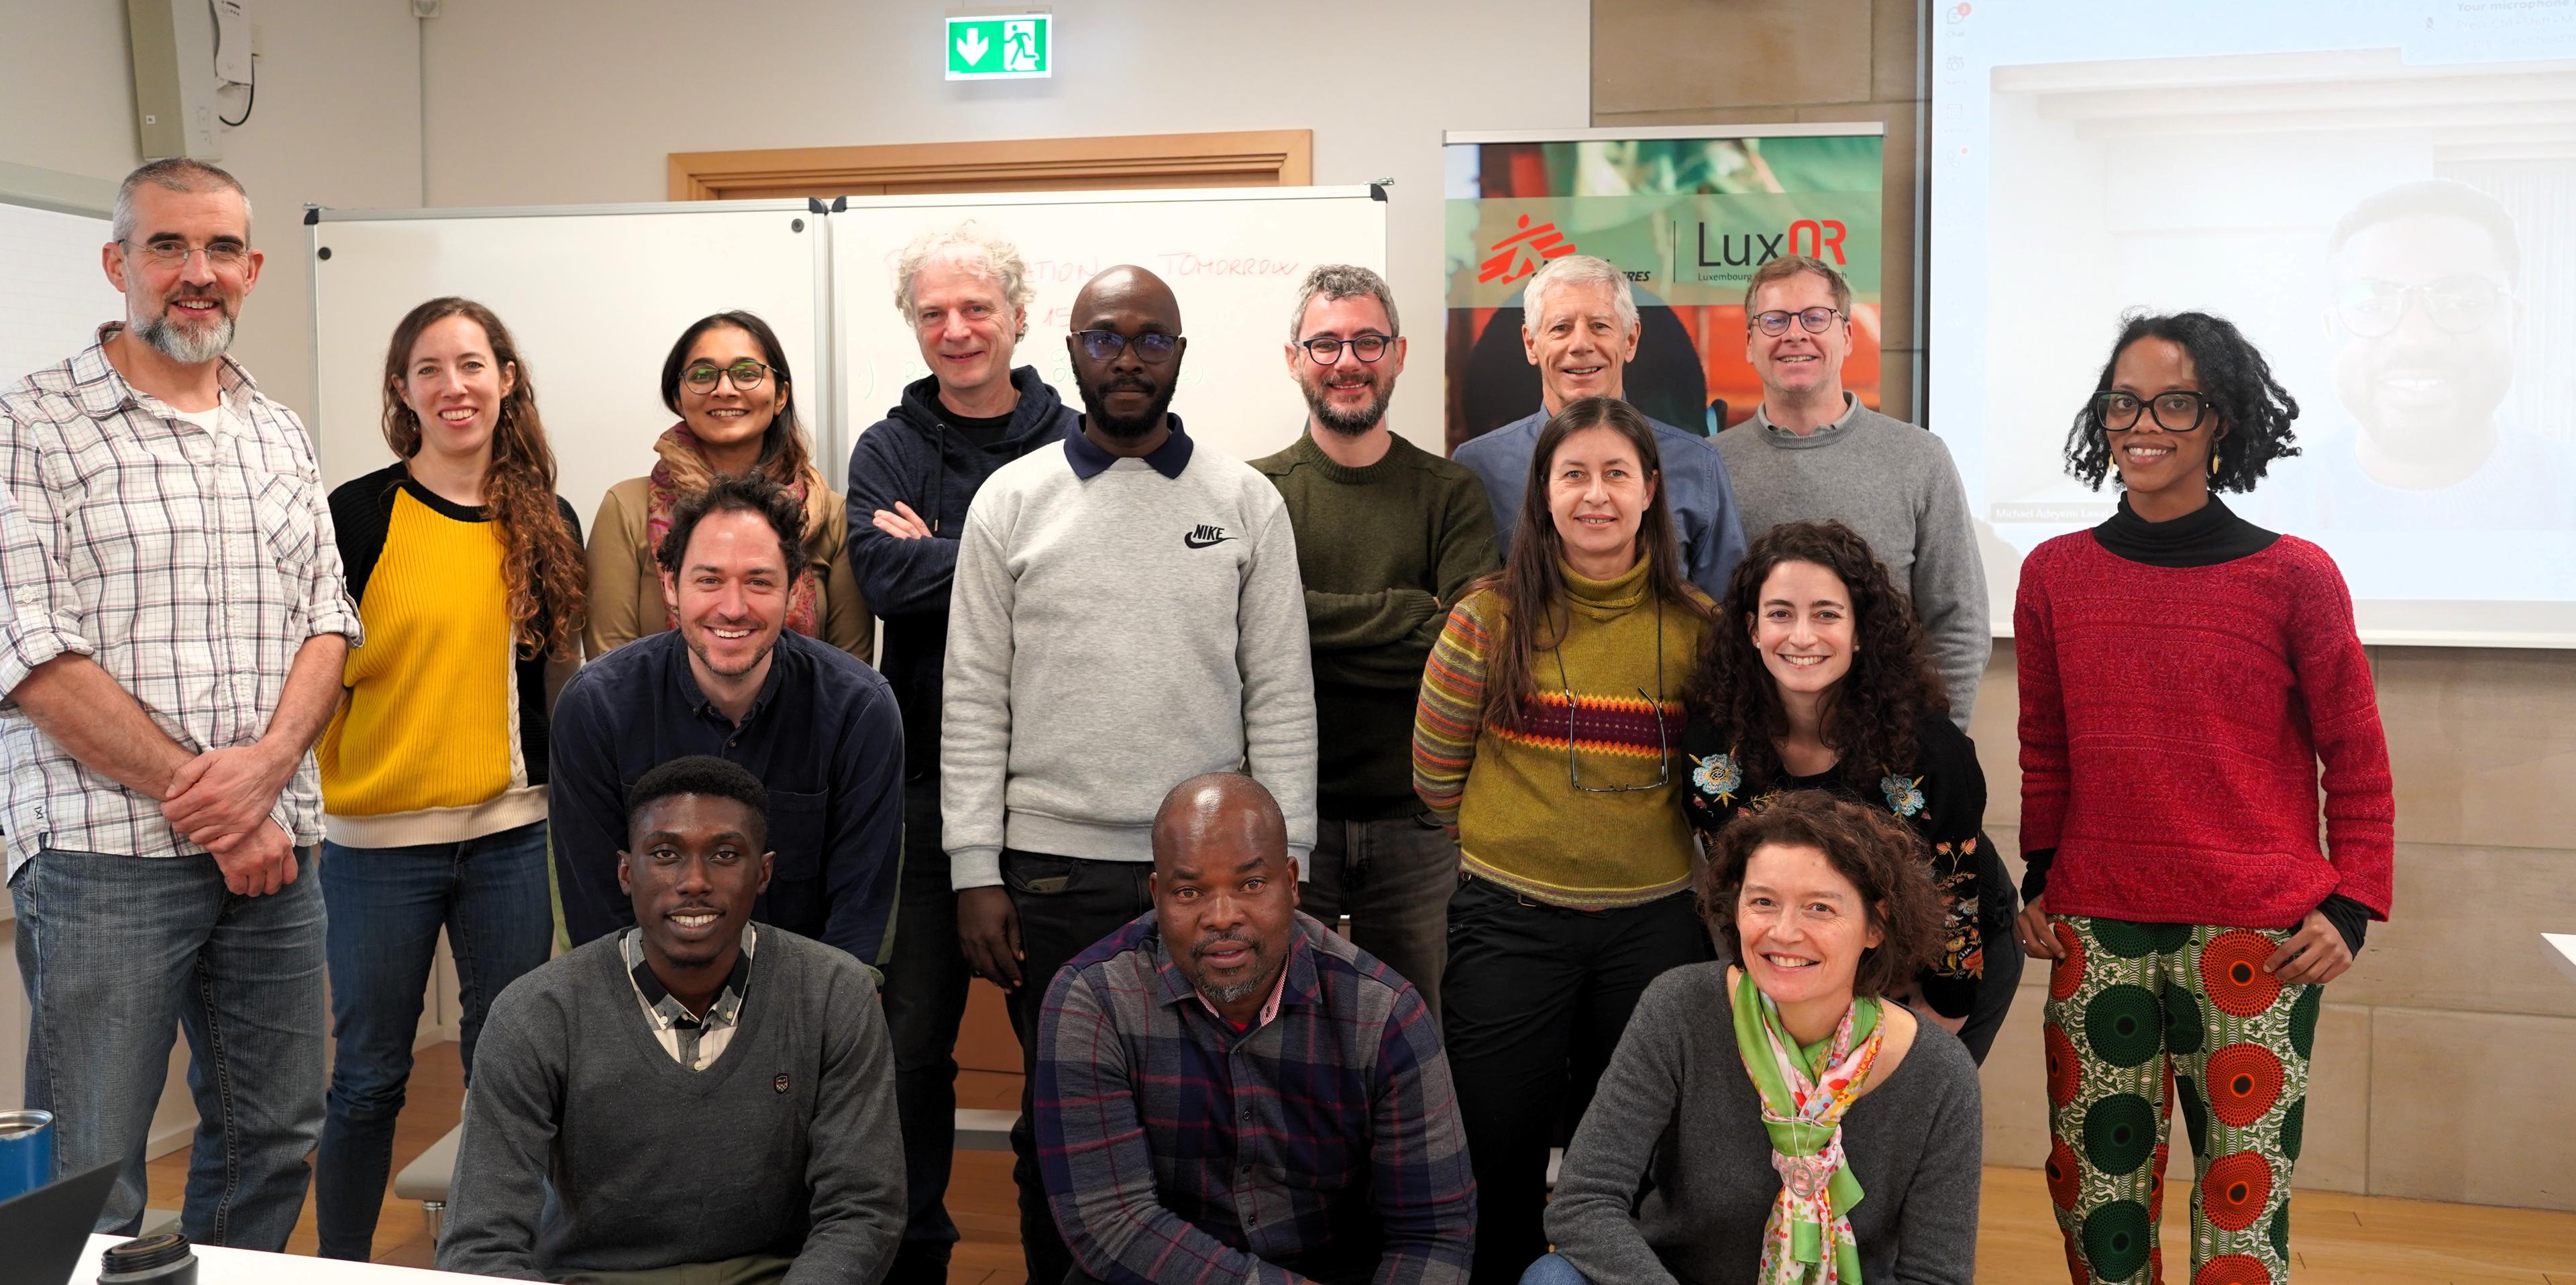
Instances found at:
x=1016 y=46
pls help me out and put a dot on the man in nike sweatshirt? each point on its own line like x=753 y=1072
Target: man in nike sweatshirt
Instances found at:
x=1127 y=614
x=965 y=292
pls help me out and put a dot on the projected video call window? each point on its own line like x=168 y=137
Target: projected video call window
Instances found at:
x=2382 y=195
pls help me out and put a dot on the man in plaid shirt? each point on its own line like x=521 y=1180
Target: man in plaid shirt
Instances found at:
x=1227 y=1091
x=175 y=631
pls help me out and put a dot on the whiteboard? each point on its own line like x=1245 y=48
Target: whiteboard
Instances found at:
x=56 y=294
x=594 y=295
x=1233 y=256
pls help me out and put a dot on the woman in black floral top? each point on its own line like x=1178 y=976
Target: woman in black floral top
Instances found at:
x=1817 y=681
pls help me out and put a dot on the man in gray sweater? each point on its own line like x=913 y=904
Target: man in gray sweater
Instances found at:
x=1125 y=614
x=1813 y=453
x=658 y=1108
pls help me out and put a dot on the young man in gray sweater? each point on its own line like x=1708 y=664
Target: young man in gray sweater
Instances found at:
x=692 y=1099
x=1813 y=453
x=1126 y=614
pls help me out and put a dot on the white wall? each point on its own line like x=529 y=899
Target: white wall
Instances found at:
x=514 y=120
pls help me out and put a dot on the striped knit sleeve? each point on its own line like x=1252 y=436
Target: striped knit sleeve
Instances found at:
x=1451 y=711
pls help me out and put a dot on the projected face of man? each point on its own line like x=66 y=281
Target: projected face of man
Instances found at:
x=2425 y=392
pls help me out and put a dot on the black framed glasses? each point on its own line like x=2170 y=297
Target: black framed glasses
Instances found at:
x=2456 y=305
x=1663 y=735
x=746 y=375
x=1776 y=321
x=2175 y=410
x=1152 y=347
x=1327 y=350
x=221 y=256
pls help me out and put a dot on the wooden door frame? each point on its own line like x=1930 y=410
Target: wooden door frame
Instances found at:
x=1242 y=158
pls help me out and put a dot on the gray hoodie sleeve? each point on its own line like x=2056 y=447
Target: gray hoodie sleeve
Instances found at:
x=1949 y=588
x=1278 y=671
x=975 y=705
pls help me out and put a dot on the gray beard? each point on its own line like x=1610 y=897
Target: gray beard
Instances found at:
x=1228 y=994
x=1346 y=424
x=188 y=345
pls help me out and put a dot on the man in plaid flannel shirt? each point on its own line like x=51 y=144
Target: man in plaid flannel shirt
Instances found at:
x=176 y=626
x=1227 y=1091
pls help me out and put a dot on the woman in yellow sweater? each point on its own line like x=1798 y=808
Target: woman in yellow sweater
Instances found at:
x=467 y=570
x=1547 y=733
x=728 y=382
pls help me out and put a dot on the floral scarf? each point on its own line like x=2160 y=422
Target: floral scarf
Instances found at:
x=683 y=471
x=1805 y=1091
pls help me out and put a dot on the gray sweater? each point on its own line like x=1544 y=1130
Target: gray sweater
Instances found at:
x=1677 y=1113
x=1109 y=638
x=589 y=1148
x=1896 y=485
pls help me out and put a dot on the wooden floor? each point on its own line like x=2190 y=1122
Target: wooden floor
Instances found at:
x=2340 y=1240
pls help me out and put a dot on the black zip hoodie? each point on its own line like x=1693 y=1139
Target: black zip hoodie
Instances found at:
x=914 y=456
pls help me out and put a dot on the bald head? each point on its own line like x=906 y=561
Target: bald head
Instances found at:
x=1123 y=290
x=1219 y=808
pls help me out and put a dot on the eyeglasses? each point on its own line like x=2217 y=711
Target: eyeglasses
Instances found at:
x=747 y=375
x=221 y=256
x=2457 y=305
x=1328 y=350
x=1153 y=347
x=2175 y=411
x=1663 y=741
x=1776 y=321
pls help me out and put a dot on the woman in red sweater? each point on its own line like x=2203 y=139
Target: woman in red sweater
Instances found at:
x=2183 y=672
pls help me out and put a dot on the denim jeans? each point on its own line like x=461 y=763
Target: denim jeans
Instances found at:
x=925 y=1003
x=119 y=952
x=1552 y=1270
x=387 y=906
x=1393 y=878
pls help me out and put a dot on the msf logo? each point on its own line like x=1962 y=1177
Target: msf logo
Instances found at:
x=1517 y=256
x=1202 y=537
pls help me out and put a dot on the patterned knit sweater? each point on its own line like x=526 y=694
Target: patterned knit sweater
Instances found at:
x=1521 y=822
x=2172 y=723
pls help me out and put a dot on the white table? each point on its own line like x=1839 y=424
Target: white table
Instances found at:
x=250 y=1267
x=2562 y=951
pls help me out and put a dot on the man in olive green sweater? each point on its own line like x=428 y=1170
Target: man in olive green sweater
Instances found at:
x=1388 y=538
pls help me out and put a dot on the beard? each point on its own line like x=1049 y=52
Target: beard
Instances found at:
x=189 y=343
x=1257 y=973
x=1121 y=427
x=1350 y=423
x=698 y=649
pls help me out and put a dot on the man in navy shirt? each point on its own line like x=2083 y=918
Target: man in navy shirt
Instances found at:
x=818 y=728
x=1580 y=331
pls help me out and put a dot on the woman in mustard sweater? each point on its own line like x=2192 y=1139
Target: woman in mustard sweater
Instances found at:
x=1548 y=733
x=467 y=570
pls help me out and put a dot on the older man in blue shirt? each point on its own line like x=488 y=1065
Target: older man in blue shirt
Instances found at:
x=818 y=727
x=1579 y=327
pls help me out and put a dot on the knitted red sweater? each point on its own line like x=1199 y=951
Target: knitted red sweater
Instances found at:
x=2172 y=720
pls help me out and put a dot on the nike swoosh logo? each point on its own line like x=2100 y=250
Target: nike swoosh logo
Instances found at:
x=1193 y=540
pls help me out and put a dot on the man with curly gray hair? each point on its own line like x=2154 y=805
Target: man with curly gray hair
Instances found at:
x=964 y=289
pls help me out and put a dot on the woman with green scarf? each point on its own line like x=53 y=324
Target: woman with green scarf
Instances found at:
x=1817 y=1135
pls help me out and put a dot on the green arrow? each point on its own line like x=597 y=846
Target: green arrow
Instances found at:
x=972 y=46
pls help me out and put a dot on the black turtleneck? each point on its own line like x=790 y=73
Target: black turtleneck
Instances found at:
x=2204 y=537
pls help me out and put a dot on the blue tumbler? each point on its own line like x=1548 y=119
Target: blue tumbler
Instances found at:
x=26 y=1152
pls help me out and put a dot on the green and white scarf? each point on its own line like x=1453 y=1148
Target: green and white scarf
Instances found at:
x=1805 y=1091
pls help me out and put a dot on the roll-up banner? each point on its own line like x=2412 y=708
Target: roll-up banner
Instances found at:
x=1687 y=214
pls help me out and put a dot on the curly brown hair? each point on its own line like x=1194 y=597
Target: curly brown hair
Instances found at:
x=1871 y=715
x=543 y=568
x=1881 y=856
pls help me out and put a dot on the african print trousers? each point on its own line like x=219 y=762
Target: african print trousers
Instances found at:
x=2141 y=1016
